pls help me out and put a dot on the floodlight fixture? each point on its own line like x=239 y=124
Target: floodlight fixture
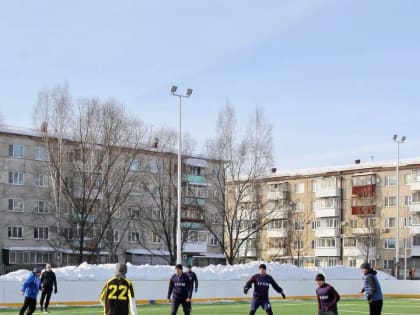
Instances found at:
x=189 y=92
x=173 y=89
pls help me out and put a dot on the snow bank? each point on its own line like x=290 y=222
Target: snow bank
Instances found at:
x=213 y=272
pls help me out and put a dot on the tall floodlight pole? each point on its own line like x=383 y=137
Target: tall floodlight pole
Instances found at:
x=179 y=188
x=397 y=245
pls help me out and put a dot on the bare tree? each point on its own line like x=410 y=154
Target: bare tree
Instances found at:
x=91 y=147
x=247 y=156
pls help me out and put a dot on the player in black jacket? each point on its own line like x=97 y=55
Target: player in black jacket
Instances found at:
x=48 y=283
x=117 y=295
x=181 y=290
x=194 y=281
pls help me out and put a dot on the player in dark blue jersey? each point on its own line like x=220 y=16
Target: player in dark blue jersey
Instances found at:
x=327 y=297
x=262 y=283
x=180 y=288
x=194 y=281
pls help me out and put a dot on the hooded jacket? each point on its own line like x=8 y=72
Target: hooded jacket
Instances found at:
x=371 y=287
x=31 y=286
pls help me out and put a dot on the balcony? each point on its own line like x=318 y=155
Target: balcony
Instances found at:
x=327 y=212
x=277 y=214
x=251 y=252
x=277 y=195
x=415 y=229
x=363 y=210
x=362 y=231
x=326 y=192
x=415 y=186
x=197 y=179
x=364 y=190
x=276 y=252
x=277 y=233
x=192 y=201
x=249 y=197
x=414 y=207
x=189 y=225
x=359 y=251
x=327 y=232
x=195 y=247
x=415 y=250
x=327 y=252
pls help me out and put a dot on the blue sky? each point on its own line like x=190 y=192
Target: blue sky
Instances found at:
x=336 y=78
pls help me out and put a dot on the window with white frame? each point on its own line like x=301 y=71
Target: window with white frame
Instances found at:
x=112 y=236
x=134 y=213
x=277 y=224
x=415 y=197
x=15 y=204
x=197 y=236
x=134 y=237
x=416 y=176
x=390 y=201
x=407 y=179
x=352 y=262
x=389 y=243
x=299 y=206
x=299 y=188
x=15 y=231
x=41 y=232
x=407 y=200
x=327 y=223
x=326 y=203
x=277 y=242
x=390 y=180
x=325 y=243
x=153 y=237
x=16 y=151
x=390 y=222
x=363 y=180
x=40 y=154
x=313 y=225
x=16 y=178
x=214 y=241
x=298 y=244
x=135 y=165
x=41 y=180
x=349 y=242
x=299 y=225
x=389 y=263
x=41 y=206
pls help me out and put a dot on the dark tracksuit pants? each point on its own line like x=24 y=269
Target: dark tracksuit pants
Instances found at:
x=29 y=304
x=375 y=307
x=46 y=294
x=176 y=303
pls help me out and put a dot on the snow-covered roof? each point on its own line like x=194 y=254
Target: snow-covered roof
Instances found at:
x=196 y=162
x=28 y=248
x=142 y=251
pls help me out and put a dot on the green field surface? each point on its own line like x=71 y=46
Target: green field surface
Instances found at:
x=391 y=307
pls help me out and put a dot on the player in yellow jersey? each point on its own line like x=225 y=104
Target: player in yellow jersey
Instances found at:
x=117 y=295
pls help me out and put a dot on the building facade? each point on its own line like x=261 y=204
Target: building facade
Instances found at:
x=339 y=215
x=36 y=231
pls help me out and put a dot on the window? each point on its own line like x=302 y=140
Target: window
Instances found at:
x=299 y=225
x=363 y=180
x=15 y=205
x=299 y=206
x=391 y=222
x=326 y=203
x=135 y=165
x=350 y=242
x=41 y=233
x=416 y=176
x=153 y=237
x=40 y=154
x=352 y=262
x=388 y=263
x=298 y=244
x=390 y=201
x=41 y=206
x=313 y=225
x=154 y=166
x=415 y=197
x=134 y=237
x=299 y=188
x=389 y=243
x=213 y=241
x=327 y=223
x=196 y=170
x=407 y=200
x=16 y=151
x=41 y=180
x=15 y=232
x=16 y=178
x=134 y=212
x=325 y=243
x=277 y=224
x=112 y=236
x=407 y=179
x=390 y=180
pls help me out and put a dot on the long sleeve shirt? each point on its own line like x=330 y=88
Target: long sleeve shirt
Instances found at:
x=49 y=280
x=327 y=298
x=371 y=286
x=180 y=287
x=262 y=285
x=193 y=278
x=31 y=286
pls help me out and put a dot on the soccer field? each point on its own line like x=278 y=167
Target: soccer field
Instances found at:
x=391 y=307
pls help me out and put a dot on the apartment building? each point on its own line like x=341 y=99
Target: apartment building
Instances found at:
x=34 y=231
x=339 y=215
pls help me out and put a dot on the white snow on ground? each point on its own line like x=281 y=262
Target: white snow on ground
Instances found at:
x=213 y=272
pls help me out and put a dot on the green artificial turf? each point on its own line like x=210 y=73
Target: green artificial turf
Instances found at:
x=286 y=307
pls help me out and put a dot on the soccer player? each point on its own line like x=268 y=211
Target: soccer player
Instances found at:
x=30 y=289
x=371 y=289
x=327 y=297
x=180 y=288
x=48 y=282
x=194 y=281
x=117 y=295
x=262 y=283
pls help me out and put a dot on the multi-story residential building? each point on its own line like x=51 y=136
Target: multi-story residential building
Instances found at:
x=340 y=215
x=36 y=232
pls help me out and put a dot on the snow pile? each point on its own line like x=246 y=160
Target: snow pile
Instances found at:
x=213 y=272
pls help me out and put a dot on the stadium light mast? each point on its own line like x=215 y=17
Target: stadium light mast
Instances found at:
x=187 y=94
x=397 y=245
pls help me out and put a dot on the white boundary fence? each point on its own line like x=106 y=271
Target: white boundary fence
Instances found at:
x=87 y=292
